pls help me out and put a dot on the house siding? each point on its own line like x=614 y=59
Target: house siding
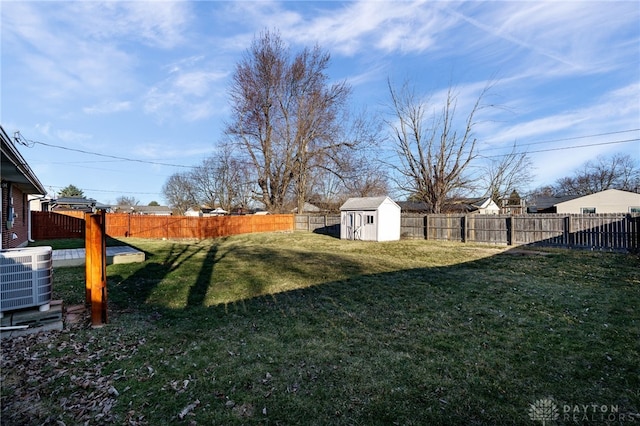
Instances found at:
x=609 y=201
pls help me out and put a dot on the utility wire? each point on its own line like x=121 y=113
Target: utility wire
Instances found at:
x=566 y=139
x=29 y=143
x=106 y=190
x=562 y=148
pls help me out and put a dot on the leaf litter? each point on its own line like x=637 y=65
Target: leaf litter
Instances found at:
x=68 y=367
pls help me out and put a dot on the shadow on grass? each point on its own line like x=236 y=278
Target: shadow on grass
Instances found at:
x=134 y=290
x=471 y=343
x=477 y=342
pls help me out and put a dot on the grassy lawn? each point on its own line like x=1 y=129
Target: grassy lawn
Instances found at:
x=299 y=328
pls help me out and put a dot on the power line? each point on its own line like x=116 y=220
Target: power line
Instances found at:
x=564 y=147
x=106 y=190
x=29 y=143
x=567 y=139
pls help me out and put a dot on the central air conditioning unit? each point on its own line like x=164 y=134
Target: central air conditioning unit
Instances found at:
x=26 y=278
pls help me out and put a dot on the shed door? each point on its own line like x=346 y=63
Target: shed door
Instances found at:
x=354 y=226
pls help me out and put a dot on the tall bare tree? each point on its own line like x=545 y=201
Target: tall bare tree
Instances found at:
x=434 y=153
x=179 y=192
x=125 y=200
x=286 y=117
x=221 y=180
x=506 y=173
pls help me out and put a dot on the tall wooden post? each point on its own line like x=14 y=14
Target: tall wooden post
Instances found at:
x=96 y=267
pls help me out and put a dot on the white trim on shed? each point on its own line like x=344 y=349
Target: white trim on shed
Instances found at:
x=370 y=219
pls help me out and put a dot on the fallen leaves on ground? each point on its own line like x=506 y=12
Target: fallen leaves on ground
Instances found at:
x=68 y=367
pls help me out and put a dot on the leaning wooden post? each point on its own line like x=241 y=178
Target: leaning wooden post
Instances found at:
x=96 y=268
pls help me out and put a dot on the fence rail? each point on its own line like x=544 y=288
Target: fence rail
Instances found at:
x=50 y=225
x=590 y=231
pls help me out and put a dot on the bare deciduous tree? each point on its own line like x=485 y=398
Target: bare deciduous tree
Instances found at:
x=286 y=117
x=620 y=171
x=434 y=154
x=127 y=201
x=179 y=192
x=221 y=180
x=507 y=173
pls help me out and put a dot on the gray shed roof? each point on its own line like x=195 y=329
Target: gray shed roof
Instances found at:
x=364 y=203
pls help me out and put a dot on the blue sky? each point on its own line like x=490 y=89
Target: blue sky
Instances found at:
x=148 y=81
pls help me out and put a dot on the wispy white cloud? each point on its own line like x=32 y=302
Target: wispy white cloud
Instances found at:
x=347 y=28
x=387 y=26
x=578 y=37
x=615 y=110
x=71 y=136
x=156 y=23
x=190 y=94
x=71 y=49
x=107 y=107
x=161 y=151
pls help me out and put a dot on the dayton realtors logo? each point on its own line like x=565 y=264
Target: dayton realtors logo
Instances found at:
x=543 y=410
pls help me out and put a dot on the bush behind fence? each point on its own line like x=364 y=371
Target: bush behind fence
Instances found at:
x=589 y=231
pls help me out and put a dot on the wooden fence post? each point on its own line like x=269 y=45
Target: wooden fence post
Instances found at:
x=464 y=228
x=96 y=267
x=426 y=226
x=510 y=230
x=88 y=258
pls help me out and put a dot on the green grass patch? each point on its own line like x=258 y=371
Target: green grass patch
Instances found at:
x=300 y=328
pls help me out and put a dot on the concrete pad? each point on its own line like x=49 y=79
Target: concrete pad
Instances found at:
x=115 y=255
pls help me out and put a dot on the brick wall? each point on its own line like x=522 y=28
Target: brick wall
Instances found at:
x=21 y=223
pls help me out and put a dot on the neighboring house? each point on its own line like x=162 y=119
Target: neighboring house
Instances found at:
x=462 y=205
x=87 y=205
x=17 y=182
x=143 y=210
x=547 y=203
x=40 y=203
x=608 y=201
x=194 y=212
x=474 y=205
x=205 y=212
x=308 y=208
x=370 y=219
x=413 y=206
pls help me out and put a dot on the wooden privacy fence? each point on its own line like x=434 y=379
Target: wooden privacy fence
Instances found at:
x=591 y=231
x=328 y=224
x=597 y=231
x=49 y=225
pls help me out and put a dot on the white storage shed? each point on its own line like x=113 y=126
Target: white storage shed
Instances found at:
x=370 y=219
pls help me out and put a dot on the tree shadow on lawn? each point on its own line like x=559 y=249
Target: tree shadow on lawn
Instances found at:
x=471 y=342
x=134 y=290
x=193 y=265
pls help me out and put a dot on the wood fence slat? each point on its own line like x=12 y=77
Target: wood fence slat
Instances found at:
x=50 y=225
x=595 y=231
x=588 y=231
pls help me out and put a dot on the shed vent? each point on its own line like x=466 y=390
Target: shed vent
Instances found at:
x=25 y=278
